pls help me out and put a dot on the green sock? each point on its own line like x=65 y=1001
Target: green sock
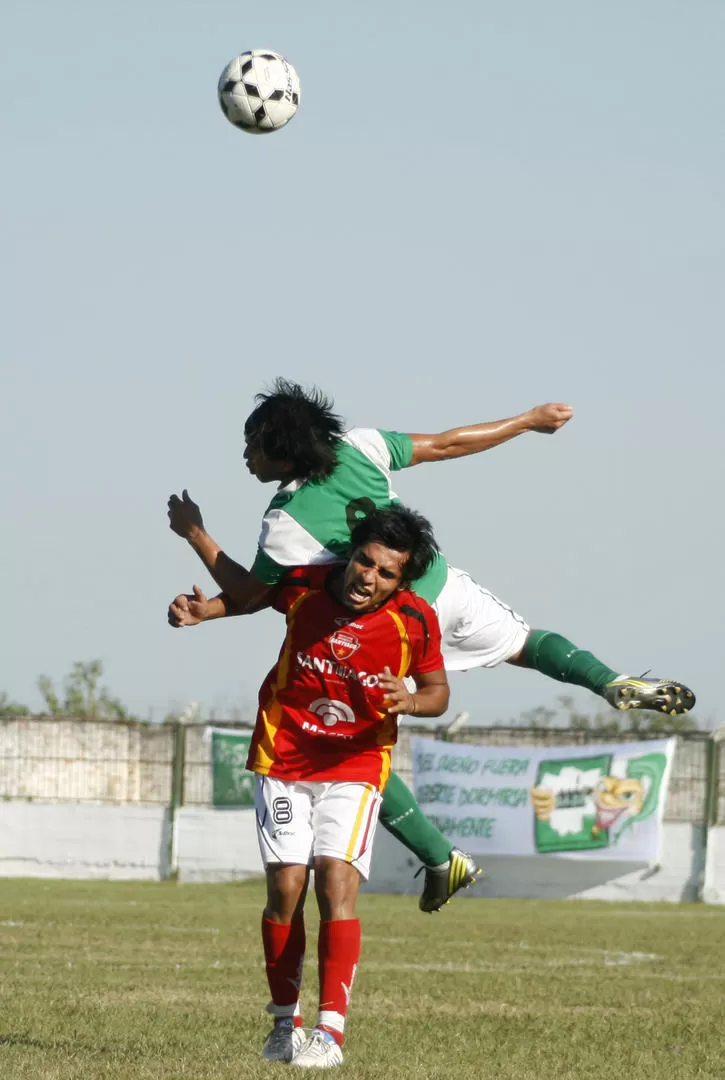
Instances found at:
x=401 y=816
x=553 y=655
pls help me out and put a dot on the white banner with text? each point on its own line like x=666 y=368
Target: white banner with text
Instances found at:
x=593 y=802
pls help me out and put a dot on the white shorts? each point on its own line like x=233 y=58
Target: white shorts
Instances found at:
x=478 y=630
x=299 y=819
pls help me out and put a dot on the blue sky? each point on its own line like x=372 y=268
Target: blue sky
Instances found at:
x=479 y=206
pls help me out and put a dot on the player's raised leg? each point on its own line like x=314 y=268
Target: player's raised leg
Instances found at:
x=479 y=630
x=556 y=656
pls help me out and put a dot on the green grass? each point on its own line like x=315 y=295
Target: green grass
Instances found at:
x=141 y=982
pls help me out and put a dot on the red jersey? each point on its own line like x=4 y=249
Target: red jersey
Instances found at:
x=321 y=714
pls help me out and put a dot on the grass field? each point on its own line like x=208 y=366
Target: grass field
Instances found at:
x=142 y=981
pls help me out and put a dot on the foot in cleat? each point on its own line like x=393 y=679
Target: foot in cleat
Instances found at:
x=660 y=695
x=442 y=882
x=319 y=1052
x=283 y=1041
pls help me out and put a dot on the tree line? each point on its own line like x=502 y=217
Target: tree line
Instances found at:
x=82 y=697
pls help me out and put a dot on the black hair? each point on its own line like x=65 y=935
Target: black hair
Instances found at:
x=401 y=529
x=299 y=426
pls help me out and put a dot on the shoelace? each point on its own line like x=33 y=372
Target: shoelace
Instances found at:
x=318 y=1042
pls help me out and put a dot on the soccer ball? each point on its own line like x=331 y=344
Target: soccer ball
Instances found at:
x=259 y=91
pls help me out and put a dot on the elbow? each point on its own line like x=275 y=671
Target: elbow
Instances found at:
x=439 y=452
x=443 y=703
x=433 y=450
x=247 y=601
x=250 y=607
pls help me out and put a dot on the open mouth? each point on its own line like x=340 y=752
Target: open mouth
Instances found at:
x=356 y=594
x=606 y=818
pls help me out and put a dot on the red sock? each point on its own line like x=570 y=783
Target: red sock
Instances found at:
x=338 y=952
x=284 y=951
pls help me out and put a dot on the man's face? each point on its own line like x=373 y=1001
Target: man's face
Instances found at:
x=373 y=574
x=261 y=466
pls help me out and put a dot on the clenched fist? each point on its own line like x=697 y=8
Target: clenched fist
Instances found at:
x=184 y=515
x=547 y=419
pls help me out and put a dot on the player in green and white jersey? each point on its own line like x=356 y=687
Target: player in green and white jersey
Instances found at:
x=328 y=478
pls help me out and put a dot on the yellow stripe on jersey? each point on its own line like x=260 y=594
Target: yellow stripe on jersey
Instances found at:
x=385 y=769
x=405 y=648
x=358 y=822
x=386 y=736
x=265 y=756
x=286 y=657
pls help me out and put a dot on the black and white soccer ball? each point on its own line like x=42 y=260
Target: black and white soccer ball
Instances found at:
x=259 y=91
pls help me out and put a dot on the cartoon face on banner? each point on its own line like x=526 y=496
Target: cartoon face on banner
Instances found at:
x=583 y=803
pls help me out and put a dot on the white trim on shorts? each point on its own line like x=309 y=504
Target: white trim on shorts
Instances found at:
x=478 y=629
x=299 y=820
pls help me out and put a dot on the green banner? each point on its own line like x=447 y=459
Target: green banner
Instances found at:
x=574 y=796
x=232 y=784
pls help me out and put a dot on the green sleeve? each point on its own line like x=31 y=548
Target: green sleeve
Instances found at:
x=400 y=447
x=267 y=570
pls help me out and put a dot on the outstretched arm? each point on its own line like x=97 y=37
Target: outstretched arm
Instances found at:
x=189 y=609
x=242 y=589
x=459 y=442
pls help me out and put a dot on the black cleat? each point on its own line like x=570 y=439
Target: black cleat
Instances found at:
x=660 y=695
x=441 y=883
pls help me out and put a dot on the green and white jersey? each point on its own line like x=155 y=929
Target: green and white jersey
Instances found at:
x=308 y=523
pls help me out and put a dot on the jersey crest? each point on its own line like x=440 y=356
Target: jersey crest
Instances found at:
x=343 y=644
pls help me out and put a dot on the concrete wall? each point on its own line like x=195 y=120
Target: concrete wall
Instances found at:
x=132 y=842
x=221 y=845
x=85 y=761
x=714 y=888
x=216 y=845
x=128 y=767
x=73 y=840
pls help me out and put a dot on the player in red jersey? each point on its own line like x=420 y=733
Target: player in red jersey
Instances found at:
x=318 y=705
x=326 y=725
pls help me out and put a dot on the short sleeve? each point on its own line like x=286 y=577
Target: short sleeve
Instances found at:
x=293 y=585
x=267 y=570
x=427 y=655
x=284 y=543
x=400 y=447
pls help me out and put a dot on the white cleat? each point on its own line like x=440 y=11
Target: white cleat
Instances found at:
x=319 y=1052
x=283 y=1041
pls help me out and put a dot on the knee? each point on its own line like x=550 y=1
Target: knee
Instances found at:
x=286 y=888
x=336 y=886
